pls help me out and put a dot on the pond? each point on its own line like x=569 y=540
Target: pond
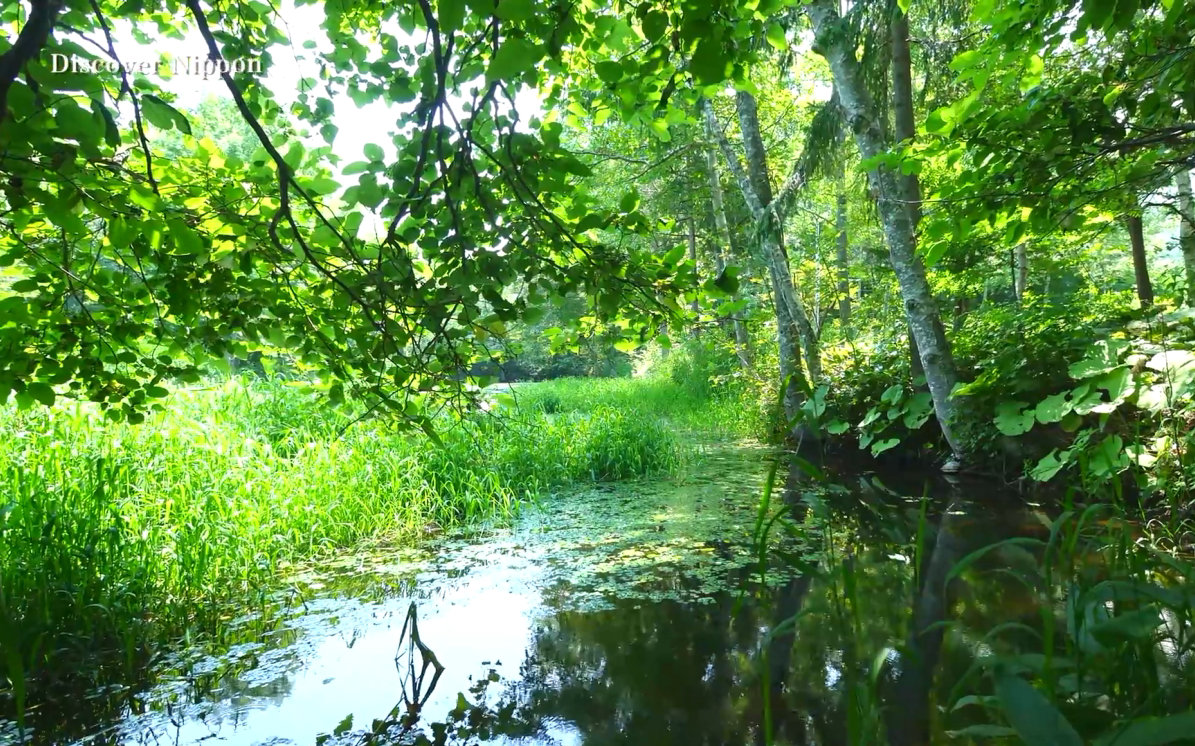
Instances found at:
x=628 y=613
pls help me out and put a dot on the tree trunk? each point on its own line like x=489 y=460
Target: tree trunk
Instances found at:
x=844 y=270
x=696 y=279
x=906 y=129
x=741 y=340
x=787 y=334
x=833 y=42
x=1022 y=271
x=1145 y=290
x=760 y=179
x=1186 y=230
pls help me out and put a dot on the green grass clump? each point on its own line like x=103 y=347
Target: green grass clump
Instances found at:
x=720 y=414
x=113 y=536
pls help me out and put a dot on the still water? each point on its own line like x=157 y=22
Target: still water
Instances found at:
x=630 y=613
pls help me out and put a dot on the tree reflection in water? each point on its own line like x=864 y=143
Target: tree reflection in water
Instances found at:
x=857 y=665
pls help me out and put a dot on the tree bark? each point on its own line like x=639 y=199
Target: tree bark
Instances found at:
x=833 y=42
x=842 y=244
x=905 y=131
x=741 y=340
x=1186 y=230
x=1145 y=290
x=1022 y=271
x=786 y=328
x=760 y=180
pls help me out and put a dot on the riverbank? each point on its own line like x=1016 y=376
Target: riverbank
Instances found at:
x=118 y=539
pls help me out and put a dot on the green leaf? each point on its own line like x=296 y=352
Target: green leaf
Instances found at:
x=710 y=63
x=41 y=392
x=515 y=57
x=374 y=152
x=1047 y=467
x=1116 y=382
x=883 y=445
x=837 y=427
x=1034 y=718
x=162 y=115
x=449 y=14
x=655 y=24
x=515 y=10
x=1013 y=419
x=186 y=240
x=1031 y=78
x=982 y=731
x=1052 y=408
x=664 y=341
x=610 y=71
x=322 y=185
x=1152 y=731
x=776 y=37
x=629 y=202
x=727 y=280
x=111 y=131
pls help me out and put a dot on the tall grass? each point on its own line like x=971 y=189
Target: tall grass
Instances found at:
x=686 y=408
x=113 y=536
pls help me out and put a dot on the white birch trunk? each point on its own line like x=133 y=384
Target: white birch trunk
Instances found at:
x=1186 y=230
x=833 y=42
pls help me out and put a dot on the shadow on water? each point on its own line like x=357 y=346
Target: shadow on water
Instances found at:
x=633 y=613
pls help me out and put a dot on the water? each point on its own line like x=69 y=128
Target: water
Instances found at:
x=615 y=615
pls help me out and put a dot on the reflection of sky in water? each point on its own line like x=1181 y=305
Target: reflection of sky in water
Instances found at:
x=487 y=616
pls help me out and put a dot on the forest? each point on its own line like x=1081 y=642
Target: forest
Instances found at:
x=597 y=372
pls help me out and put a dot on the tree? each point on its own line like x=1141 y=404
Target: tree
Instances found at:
x=833 y=42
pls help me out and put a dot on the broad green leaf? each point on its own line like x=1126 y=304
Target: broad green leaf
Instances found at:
x=655 y=24
x=41 y=392
x=776 y=37
x=1034 y=718
x=1152 y=731
x=515 y=10
x=374 y=152
x=837 y=427
x=710 y=64
x=450 y=14
x=186 y=240
x=322 y=185
x=1013 y=419
x=610 y=71
x=727 y=280
x=883 y=445
x=514 y=57
x=1052 y=408
x=1045 y=469
x=1117 y=383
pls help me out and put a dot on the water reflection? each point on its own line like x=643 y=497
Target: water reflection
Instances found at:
x=619 y=617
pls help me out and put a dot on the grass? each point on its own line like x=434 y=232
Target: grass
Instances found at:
x=687 y=408
x=114 y=537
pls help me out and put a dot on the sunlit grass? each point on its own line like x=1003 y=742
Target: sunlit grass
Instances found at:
x=717 y=414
